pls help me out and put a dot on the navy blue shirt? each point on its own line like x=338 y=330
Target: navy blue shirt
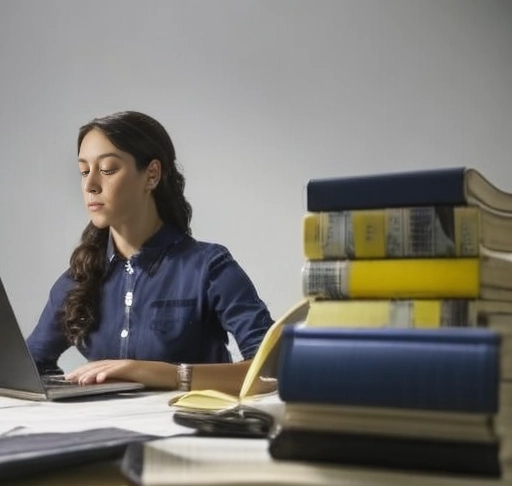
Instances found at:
x=174 y=301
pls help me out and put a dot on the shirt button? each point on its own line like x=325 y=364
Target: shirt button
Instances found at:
x=124 y=333
x=128 y=299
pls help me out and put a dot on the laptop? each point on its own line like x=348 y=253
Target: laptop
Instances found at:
x=19 y=377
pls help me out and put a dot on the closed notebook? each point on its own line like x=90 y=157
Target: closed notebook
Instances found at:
x=32 y=454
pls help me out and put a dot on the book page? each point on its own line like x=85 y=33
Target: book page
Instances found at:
x=204 y=400
x=297 y=314
x=265 y=361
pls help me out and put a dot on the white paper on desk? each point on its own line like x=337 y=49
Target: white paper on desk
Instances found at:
x=143 y=412
x=7 y=405
x=5 y=430
x=7 y=402
x=146 y=413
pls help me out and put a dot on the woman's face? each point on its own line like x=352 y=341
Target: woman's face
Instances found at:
x=115 y=192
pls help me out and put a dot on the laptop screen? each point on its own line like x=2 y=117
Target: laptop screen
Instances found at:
x=17 y=368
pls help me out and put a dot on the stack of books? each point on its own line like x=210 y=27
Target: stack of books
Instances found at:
x=423 y=249
x=418 y=251
x=424 y=400
x=375 y=245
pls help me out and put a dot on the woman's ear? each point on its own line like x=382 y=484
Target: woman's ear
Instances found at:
x=153 y=174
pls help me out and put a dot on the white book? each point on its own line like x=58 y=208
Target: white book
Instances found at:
x=193 y=461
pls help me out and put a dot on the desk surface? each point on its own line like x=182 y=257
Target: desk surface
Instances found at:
x=149 y=413
x=97 y=474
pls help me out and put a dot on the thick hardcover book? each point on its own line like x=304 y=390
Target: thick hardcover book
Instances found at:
x=455 y=370
x=414 y=313
x=393 y=422
x=412 y=232
x=487 y=278
x=220 y=461
x=435 y=187
x=446 y=456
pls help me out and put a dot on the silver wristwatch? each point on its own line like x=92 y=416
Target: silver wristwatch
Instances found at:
x=184 y=377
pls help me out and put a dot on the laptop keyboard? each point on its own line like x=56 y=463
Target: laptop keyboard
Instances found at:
x=58 y=382
x=55 y=381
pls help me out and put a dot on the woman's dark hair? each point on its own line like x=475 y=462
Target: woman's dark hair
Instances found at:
x=145 y=139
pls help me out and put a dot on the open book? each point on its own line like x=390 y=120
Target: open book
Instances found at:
x=264 y=364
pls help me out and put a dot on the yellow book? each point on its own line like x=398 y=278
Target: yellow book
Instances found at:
x=486 y=277
x=405 y=232
x=263 y=364
x=405 y=313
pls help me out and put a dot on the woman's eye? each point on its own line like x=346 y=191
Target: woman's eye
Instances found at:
x=83 y=173
x=107 y=172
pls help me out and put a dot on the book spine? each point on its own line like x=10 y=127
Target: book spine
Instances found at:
x=447 y=370
x=392 y=233
x=392 y=278
x=438 y=187
x=443 y=456
x=418 y=314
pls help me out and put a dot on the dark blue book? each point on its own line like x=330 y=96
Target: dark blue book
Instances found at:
x=445 y=369
x=434 y=187
x=405 y=453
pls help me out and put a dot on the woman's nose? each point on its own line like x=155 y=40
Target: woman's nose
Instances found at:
x=91 y=183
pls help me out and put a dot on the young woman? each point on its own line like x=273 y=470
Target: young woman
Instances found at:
x=142 y=300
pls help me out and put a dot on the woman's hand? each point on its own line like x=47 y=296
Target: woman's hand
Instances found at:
x=225 y=377
x=153 y=374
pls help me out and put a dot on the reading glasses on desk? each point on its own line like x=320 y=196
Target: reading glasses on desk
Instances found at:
x=239 y=421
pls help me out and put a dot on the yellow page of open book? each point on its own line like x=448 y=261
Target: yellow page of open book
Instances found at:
x=216 y=400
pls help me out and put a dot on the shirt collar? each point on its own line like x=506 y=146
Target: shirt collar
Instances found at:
x=151 y=251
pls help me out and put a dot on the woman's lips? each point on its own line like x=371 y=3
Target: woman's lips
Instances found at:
x=94 y=206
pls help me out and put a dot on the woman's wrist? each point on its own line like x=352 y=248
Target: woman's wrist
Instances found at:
x=184 y=377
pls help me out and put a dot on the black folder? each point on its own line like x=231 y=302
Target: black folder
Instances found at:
x=28 y=454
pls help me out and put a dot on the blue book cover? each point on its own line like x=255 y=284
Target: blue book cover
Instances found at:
x=436 y=369
x=434 y=187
